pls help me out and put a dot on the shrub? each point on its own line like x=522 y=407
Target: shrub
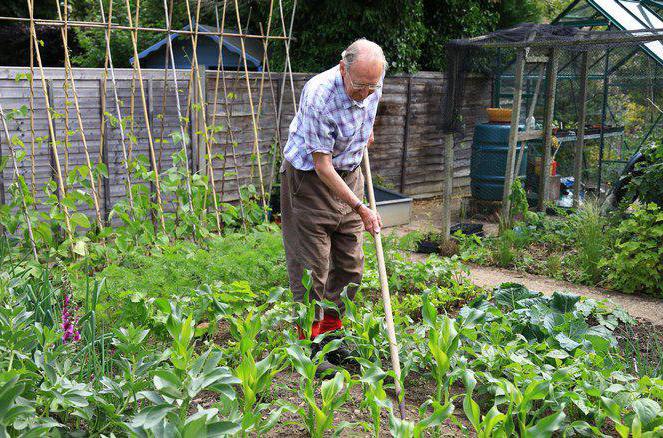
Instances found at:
x=637 y=261
x=647 y=184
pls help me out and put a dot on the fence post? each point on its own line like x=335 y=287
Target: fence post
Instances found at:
x=2 y=181
x=406 y=130
x=198 y=125
x=51 y=154
x=448 y=185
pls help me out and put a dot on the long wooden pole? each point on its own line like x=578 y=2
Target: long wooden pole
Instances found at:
x=580 y=141
x=277 y=133
x=262 y=73
x=513 y=135
x=551 y=89
x=180 y=119
x=31 y=82
x=221 y=73
x=384 y=286
x=98 y=25
x=196 y=87
x=287 y=68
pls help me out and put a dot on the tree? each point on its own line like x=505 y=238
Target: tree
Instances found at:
x=412 y=32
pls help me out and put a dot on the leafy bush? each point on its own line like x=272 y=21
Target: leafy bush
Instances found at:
x=637 y=261
x=646 y=185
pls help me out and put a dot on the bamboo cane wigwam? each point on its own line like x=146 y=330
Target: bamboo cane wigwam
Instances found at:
x=117 y=160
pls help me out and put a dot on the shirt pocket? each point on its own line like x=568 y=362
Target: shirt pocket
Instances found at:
x=342 y=143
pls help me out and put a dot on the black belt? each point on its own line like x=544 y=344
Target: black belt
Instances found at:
x=344 y=173
x=341 y=173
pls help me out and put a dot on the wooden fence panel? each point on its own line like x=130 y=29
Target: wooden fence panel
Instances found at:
x=407 y=154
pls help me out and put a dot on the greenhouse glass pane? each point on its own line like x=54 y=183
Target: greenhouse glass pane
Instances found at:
x=630 y=15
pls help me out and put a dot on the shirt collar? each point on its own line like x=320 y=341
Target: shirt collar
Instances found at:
x=346 y=100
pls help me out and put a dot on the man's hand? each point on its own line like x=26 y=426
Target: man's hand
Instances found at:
x=372 y=220
x=371 y=139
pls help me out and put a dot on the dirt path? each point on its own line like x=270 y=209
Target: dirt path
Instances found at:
x=638 y=306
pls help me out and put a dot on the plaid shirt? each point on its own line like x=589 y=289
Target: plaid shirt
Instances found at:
x=329 y=121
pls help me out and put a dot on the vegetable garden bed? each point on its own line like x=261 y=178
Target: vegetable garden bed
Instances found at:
x=210 y=354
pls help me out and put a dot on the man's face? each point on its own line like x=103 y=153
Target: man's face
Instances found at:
x=362 y=78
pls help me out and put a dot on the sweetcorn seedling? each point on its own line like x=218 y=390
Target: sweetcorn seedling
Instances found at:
x=365 y=325
x=255 y=377
x=519 y=415
x=334 y=392
x=443 y=342
x=375 y=397
x=416 y=429
x=177 y=386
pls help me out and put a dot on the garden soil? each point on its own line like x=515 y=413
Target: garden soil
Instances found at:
x=417 y=391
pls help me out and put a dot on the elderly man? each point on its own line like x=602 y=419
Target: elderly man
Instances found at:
x=322 y=188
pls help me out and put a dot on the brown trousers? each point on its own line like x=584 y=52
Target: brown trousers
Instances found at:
x=321 y=234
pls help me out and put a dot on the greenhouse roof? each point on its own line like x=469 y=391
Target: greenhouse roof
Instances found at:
x=627 y=15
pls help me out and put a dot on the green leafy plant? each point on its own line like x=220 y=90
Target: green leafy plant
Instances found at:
x=646 y=184
x=637 y=260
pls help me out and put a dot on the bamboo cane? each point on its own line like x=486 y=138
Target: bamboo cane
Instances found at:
x=168 y=15
x=277 y=131
x=262 y=72
x=384 y=286
x=65 y=89
x=220 y=71
x=134 y=38
x=288 y=66
x=17 y=174
x=125 y=155
x=97 y=25
x=69 y=75
x=51 y=129
x=33 y=164
x=195 y=76
x=228 y=113
x=256 y=144
x=180 y=120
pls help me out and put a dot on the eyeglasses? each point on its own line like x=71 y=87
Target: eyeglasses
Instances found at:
x=358 y=87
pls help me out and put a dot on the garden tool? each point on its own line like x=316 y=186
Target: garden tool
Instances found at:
x=384 y=285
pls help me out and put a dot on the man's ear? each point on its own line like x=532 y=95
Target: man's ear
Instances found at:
x=341 y=66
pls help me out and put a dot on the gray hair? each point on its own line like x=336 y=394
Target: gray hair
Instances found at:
x=367 y=49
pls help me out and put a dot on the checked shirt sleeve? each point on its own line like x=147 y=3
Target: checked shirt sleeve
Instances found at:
x=317 y=131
